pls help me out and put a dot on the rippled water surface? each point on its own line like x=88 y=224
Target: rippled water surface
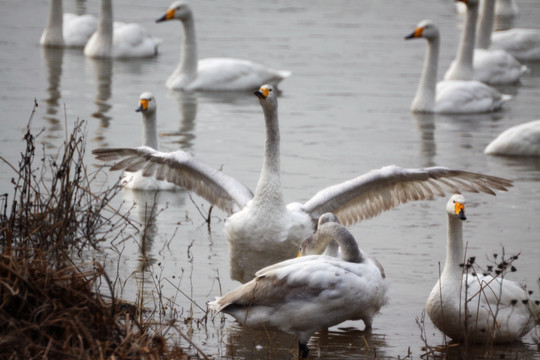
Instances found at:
x=344 y=112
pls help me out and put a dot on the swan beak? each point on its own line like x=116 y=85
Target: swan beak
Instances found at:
x=143 y=105
x=415 y=34
x=262 y=93
x=460 y=210
x=168 y=16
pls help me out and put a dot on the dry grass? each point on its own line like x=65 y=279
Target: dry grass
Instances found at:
x=50 y=306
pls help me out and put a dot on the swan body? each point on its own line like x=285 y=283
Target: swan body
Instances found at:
x=303 y=295
x=213 y=74
x=136 y=180
x=497 y=309
x=261 y=228
x=493 y=66
x=449 y=96
x=119 y=40
x=519 y=140
x=523 y=44
x=67 y=30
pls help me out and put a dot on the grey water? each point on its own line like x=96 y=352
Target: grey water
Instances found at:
x=343 y=112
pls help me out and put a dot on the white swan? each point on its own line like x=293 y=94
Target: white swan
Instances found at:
x=523 y=44
x=67 y=30
x=119 y=40
x=493 y=66
x=310 y=293
x=261 y=228
x=506 y=11
x=449 y=96
x=472 y=307
x=519 y=140
x=136 y=181
x=213 y=74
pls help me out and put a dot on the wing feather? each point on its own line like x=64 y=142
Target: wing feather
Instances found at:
x=383 y=189
x=182 y=169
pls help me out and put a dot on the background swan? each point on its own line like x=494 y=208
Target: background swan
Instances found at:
x=488 y=298
x=506 y=12
x=119 y=40
x=523 y=44
x=519 y=140
x=449 y=96
x=213 y=74
x=67 y=30
x=136 y=181
x=261 y=228
x=310 y=293
x=493 y=66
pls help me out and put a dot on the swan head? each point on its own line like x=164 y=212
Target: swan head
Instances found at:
x=425 y=29
x=267 y=96
x=147 y=103
x=327 y=217
x=312 y=245
x=469 y=3
x=456 y=207
x=179 y=10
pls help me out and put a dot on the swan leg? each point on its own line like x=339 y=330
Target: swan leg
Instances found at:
x=303 y=351
x=368 y=322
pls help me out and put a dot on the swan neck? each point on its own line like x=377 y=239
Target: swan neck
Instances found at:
x=485 y=24
x=424 y=100
x=346 y=241
x=53 y=34
x=454 y=246
x=188 y=56
x=150 y=138
x=269 y=185
x=464 y=58
x=105 y=27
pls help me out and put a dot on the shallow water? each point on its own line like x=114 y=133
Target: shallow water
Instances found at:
x=342 y=113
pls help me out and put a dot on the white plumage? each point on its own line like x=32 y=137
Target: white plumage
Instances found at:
x=523 y=44
x=261 y=228
x=519 y=140
x=119 y=40
x=136 y=180
x=449 y=96
x=474 y=307
x=310 y=293
x=67 y=30
x=213 y=74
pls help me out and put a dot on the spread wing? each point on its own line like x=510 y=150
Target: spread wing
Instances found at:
x=182 y=169
x=379 y=190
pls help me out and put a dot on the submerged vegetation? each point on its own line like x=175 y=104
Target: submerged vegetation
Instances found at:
x=53 y=302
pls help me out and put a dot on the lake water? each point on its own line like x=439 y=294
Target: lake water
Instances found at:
x=344 y=112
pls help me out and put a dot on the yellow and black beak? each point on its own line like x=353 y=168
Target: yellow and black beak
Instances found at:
x=143 y=105
x=415 y=34
x=262 y=93
x=459 y=209
x=168 y=16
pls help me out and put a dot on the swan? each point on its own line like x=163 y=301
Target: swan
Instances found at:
x=488 y=298
x=506 y=11
x=261 y=229
x=493 y=66
x=449 y=96
x=119 y=40
x=523 y=44
x=67 y=30
x=136 y=181
x=519 y=140
x=213 y=74
x=316 y=244
x=304 y=295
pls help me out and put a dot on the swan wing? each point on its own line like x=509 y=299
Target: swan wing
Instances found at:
x=132 y=40
x=182 y=169
x=523 y=44
x=497 y=67
x=78 y=29
x=383 y=189
x=234 y=74
x=458 y=96
x=519 y=140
